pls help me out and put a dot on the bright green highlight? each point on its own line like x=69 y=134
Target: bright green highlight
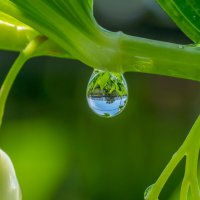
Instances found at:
x=26 y=54
x=15 y=36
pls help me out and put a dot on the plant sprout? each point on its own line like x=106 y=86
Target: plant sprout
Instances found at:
x=28 y=27
x=9 y=186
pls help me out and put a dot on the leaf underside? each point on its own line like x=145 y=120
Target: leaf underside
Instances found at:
x=186 y=14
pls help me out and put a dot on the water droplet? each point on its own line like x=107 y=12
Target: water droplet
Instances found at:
x=180 y=46
x=147 y=191
x=107 y=93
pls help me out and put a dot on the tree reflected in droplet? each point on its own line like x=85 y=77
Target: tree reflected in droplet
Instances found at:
x=107 y=93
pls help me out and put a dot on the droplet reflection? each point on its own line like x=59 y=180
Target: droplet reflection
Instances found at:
x=107 y=93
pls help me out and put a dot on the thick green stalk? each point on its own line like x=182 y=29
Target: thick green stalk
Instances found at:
x=101 y=49
x=27 y=53
x=133 y=54
x=148 y=56
x=185 y=13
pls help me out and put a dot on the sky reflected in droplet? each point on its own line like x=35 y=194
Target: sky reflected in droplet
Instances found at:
x=107 y=93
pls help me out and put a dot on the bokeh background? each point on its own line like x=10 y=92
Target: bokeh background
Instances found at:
x=63 y=151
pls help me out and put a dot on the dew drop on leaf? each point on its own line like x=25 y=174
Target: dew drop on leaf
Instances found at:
x=107 y=93
x=147 y=191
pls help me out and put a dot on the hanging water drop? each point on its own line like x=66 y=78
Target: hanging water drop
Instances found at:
x=147 y=191
x=107 y=93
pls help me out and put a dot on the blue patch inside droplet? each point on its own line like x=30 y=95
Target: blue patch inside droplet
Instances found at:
x=107 y=93
x=107 y=107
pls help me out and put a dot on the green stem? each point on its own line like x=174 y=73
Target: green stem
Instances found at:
x=184 y=190
x=20 y=61
x=191 y=178
x=149 y=56
x=190 y=149
x=158 y=186
x=101 y=49
x=132 y=54
x=192 y=172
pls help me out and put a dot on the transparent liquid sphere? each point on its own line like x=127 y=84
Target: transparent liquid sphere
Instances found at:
x=107 y=93
x=147 y=191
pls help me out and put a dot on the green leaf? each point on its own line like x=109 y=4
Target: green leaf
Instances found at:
x=186 y=14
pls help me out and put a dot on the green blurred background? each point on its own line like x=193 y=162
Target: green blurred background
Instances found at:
x=63 y=151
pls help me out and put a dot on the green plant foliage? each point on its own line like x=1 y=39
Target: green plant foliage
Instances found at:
x=13 y=27
x=75 y=34
x=68 y=29
x=186 y=15
x=40 y=155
